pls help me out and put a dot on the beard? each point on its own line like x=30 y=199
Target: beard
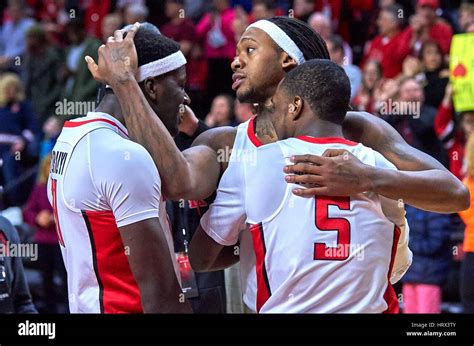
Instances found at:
x=251 y=95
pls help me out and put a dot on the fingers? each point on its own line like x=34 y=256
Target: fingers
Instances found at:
x=311 y=192
x=318 y=160
x=303 y=168
x=304 y=179
x=118 y=35
x=131 y=33
x=335 y=152
x=93 y=68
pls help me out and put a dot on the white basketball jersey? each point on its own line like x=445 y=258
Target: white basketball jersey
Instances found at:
x=100 y=181
x=246 y=141
x=322 y=254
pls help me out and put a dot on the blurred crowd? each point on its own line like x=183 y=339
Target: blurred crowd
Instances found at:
x=392 y=51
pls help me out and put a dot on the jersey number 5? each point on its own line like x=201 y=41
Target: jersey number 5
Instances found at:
x=325 y=223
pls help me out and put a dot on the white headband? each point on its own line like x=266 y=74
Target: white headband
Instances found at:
x=280 y=38
x=161 y=66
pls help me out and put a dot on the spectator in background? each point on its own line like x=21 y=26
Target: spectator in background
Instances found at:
x=38 y=213
x=12 y=35
x=414 y=120
x=466 y=16
x=303 y=9
x=53 y=17
x=426 y=25
x=41 y=73
x=111 y=22
x=15 y=295
x=51 y=130
x=221 y=112
x=262 y=9
x=429 y=242
x=388 y=47
x=436 y=73
x=18 y=134
x=179 y=28
x=454 y=134
x=80 y=85
x=467 y=268
x=135 y=12
x=196 y=80
x=322 y=25
x=372 y=79
x=243 y=111
x=215 y=29
x=335 y=46
x=94 y=13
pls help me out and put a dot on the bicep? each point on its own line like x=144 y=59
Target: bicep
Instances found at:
x=204 y=168
x=148 y=252
x=151 y=263
x=377 y=134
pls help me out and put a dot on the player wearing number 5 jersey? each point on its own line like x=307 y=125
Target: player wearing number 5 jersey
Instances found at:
x=326 y=254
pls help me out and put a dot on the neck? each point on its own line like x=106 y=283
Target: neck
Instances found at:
x=111 y=106
x=264 y=128
x=177 y=20
x=315 y=127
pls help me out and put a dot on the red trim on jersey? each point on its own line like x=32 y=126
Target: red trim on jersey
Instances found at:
x=390 y=296
x=119 y=292
x=263 y=286
x=251 y=132
x=80 y=123
x=55 y=212
x=327 y=140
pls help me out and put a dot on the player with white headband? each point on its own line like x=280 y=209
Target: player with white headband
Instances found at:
x=263 y=58
x=106 y=194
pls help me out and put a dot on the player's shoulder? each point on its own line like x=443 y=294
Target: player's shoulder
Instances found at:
x=371 y=157
x=107 y=146
x=217 y=138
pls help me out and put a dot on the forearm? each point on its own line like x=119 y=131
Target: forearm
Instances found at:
x=422 y=181
x=421 y=189
x=154 y=300
x=146 y=128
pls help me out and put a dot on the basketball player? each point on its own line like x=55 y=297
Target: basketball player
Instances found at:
x=265 y=53
x=325 y=254
x=108 y=207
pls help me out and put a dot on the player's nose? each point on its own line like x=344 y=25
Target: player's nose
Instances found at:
x=235 y=65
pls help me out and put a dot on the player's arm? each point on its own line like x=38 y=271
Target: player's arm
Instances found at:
x=214 y=244
x=205 y=254
x=152 y=267
x=421 y=180
x=193 y=174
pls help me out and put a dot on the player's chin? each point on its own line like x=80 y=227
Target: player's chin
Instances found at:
x=245 y=95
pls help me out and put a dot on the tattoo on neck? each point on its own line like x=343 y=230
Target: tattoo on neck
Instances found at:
x=265 y=131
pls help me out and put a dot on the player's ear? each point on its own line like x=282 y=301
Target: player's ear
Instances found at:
x=295 y=108
x=287 y=62
x=150 y=88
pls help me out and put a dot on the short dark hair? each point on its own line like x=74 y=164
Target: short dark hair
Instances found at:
x=324 y=85
x=151 y=45
x=310 y=43
x=394 y=11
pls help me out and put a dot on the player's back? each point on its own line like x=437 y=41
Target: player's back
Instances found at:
x=94 y=190
x=323 y=254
